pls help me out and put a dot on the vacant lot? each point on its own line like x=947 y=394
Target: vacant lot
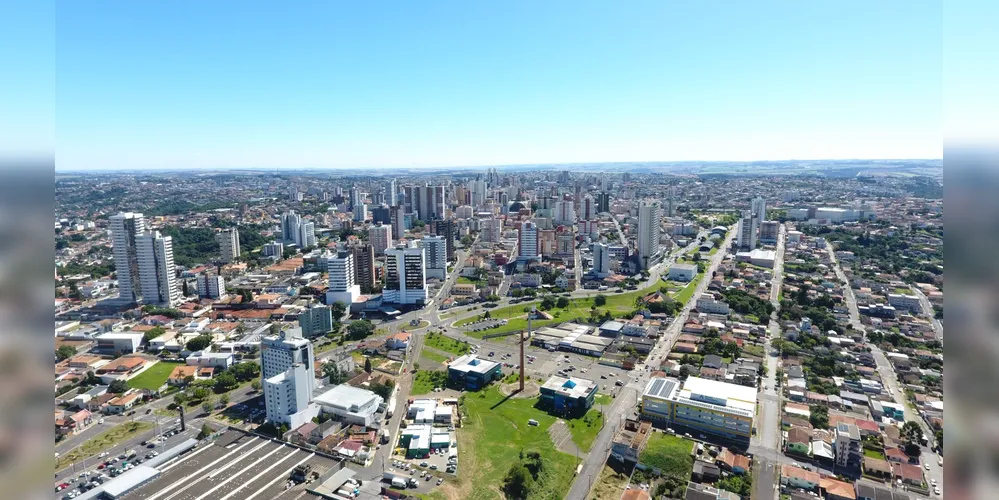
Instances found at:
x=447 y=344
x=154 y=377
x=101 y=442
x=584 y=430
x=610 y=485
x=427 y=380
x=433 y=355
x=670 y=454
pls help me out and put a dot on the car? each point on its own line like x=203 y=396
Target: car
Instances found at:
x=603 y=377
x=926 y=466
x=101 y=466
x=148 y=411
x=933 y=482
x=439 y=481
x=936 y=490
x=433 y=466
x=100 y=421
x=618 y=382
x=423 y=464
x=491 y=354
x=532 y=422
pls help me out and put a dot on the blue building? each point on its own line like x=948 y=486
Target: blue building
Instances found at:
x=565 y=396
x=472 y=373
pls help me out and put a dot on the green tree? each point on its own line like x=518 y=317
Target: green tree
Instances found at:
x=65 y=352
x=518 y=482
x=199 y=343
x=245 y=371
x=562 y=303
x=360 y=329
x=367 y=365
x=334 y=374
x=224 y=400
x=819 y=416
x=547 y=303
x=118 y=387
x=338 y=309
x=255 y=385
x=225 y=382
x=205 y=431
x=208 y=405
x=599 y=300
x=152 y=333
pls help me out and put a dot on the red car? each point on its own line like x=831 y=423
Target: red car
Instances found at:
x=64 y=485
x=101 y=466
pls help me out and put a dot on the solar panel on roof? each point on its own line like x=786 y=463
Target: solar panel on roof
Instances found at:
x=656 y=385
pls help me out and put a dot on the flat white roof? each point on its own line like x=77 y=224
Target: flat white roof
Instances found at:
x=571 y=387
x=736 y=395
x=129 y=480
x=120 y=336
x=345 y=396
x=471 y=363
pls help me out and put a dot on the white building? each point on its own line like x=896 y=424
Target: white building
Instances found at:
x=436 y=256
x=289 y=227
x=279 y=352
x=649 y=228
x=228 y=244
x=360 y=213
x=708 y=304
x=528 y=242
x=287 y=396
x=759 y=208
x=848 y=447
x=306 y=235
x=464 y=212
x=492 y=231
x=601 y=260
x=758 y=257
x=682 y=272
x=351 y=404
x=157 y=275
x=427 y=201
x=380 y=238
x=125 y=226
x=211 y=286
x=405 y=276
x=207 y=358
x=904 y=301
x=391 y=193
x=343 y=285
x=565 y=213
x=747 y=231
x=707 y=405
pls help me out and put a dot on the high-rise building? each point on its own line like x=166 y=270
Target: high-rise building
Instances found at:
x=436 y=256
x=747 y=232
x=356 y=198
x=759 y=209
x=603 y=202
x=364 y=266
x=316 y=320
x=849 y=450
x=306 y=234
x=588 y=208
x=289 y=227
x=649 y=227
x=391 y=193
x=157 y=275
x=279 y=352
x=211 y=286
x=565 y=213
x=397 y=218
x=671 y=201
x=464 y=212
x=405 y=276
x=601 y=260
x=380 y=238
x=343 y=286
x=768 y=231
x=228 y=244
x=288 y=396
x=445 y=228
x=381 y=215
x=527 y=242
x=427 y=201
x=360 y=213
x=478 y=189
x=294 y=195
x=125 y=226
x=492 y=230
x=565 y=244
x=273 y=249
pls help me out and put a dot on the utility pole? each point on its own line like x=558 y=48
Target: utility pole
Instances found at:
x=530 y=315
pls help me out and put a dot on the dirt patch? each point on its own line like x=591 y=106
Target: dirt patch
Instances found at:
x=531 y=389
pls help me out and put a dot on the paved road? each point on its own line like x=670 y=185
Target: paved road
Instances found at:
x=928 y=311
x=624 y=404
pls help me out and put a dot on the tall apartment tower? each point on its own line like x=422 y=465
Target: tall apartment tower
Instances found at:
x=565 y=214
x=405 y=276
x=228 y=244
x=747 y=231
x=289 y=227
x=157 y=274
x=601 y=260
x=445 y=229
x=527 y=242
x=125 y=226
x=603 y=202
x=436 y=256
x=306 y=235
x=759 y=209
x=316 y=320
x=211 y=286
x=364 y=265
x=492 y=230
x=279 y=352
x=343 y=285
x=397 y=216
x=380 y=238
x=391 y=193
x=427 y=201
x=288 y=396
x=649 y=226
x=671 y=201
x=588 y=208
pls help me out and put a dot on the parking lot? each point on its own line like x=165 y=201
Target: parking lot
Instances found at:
x=236 y=465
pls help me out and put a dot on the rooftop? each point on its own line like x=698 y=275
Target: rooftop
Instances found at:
x=571 y=387
x=345 y=396
x=471 y=363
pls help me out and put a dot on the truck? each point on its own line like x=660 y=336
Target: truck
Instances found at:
x=398 y=482
x=385 y=436
x=390 y=407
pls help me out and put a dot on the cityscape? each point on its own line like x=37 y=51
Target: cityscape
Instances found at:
x=501 y=333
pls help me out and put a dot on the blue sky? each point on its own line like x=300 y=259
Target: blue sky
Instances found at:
x=373 y=84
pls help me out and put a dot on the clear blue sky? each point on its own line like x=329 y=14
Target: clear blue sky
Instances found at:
x=362 y=84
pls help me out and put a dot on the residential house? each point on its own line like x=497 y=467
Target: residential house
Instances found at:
x=123 y=403
x=796 y=477
x=837 y=490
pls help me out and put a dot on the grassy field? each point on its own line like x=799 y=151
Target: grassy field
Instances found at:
x=447 y=344
x=492 y=438
x=469 y=281
x=154 y=377
x=753 y=349
x=434 y=355
x=101 y=442
x=602 y=399
x=874 y=454
x=427 y=380
x=584 y=430
x=670 y=454
x=610 y=485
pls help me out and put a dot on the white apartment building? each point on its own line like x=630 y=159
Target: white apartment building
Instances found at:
x=157 y=275
x=125 y=226
x=907 y=302
x=391 y=193
x=316 y=320
x=492 y=231
x=405 y=276
x=279 y=352
x=527 y=243
x=380 y=238
x=565 y=213
x=343 y=285
x=288 y=395
x=464 y=212
x=228 y=244
x=436 y=256
x=601 y=260
x=398 y=219
x=758 y=206
x=306 y=235
x=427 y=201
x=708 y=304
x=848 y=448
x=211 y=286
x=289 y=227
x=273 y=249
x=649 y=228
x=746 y=236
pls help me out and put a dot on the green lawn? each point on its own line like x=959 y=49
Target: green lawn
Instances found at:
x=447 y=344
x=433 y=355
x=874 y=454
x=584 y=430
x=101 y=442
x=470 y=281
x=752 y=349
x=670 y=454
x=602 y=399
x=494 y=434
x=427 y=380
x=154 y=377
x=903 y=291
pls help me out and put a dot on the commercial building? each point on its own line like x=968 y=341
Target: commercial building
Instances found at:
x=758 y=257
x=279 y=352
x=649 y=228
x=211 y=286
x=397 y=218
x=157 y=274
x=445 y=228
x=287 y=396
x=228 y=244
x=316 y=320
x=405 y=276
x=350 y=404
x=492 y=231
x=119 y=342
x=706 y=405
x=682 y=272
x=391 y=193
x=566 y=396
x=903 y=301
x=527 y=242
x=565 y=244
x=427 y=201
x=343 y=286
x=435 y=248
x=471 y=373
x=380 y=238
